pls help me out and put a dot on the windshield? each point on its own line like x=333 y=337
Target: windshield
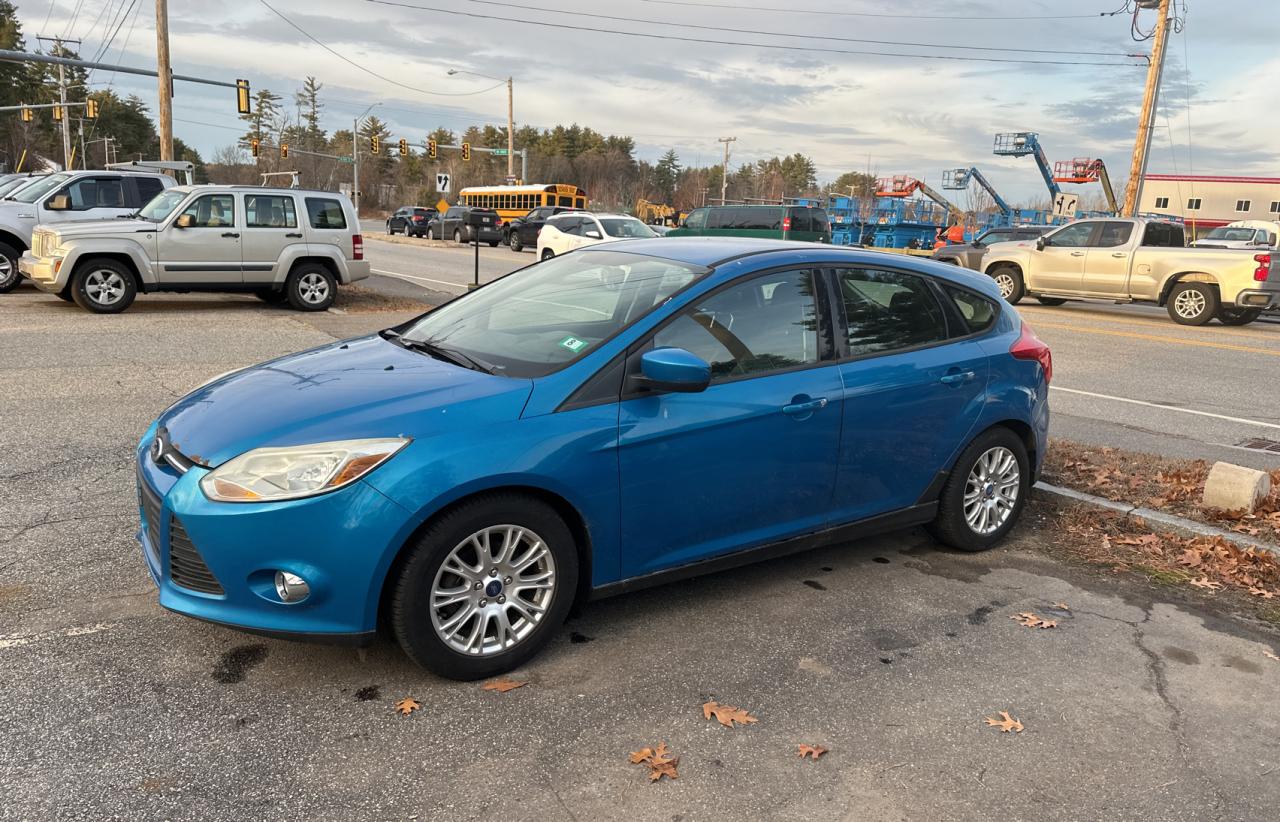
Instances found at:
x=615 y=227
x=37 y=190
x=536 y=320
x=11 y=185
x=161 y=205
x=1242 y=235
x=997 y=237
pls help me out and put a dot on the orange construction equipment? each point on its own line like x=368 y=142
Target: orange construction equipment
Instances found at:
x=1086 y=170
x=901 y=185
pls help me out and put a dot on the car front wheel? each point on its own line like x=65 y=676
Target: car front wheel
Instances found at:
x=1193 y=303
x=985 y=493
x=547 y=254
x=103 y=287
x=485 y=587
x=457 y=235
x=9 y=275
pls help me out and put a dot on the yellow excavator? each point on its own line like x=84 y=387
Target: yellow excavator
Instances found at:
x=654 y=213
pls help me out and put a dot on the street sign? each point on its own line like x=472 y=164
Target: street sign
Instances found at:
x=346 y=160
x=499 y=152
x=442 y=183
x=1064 y=205
x=442 y=206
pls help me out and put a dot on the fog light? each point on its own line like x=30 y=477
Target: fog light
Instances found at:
x=291 y=587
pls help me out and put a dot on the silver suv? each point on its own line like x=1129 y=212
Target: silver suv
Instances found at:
x=282 y=244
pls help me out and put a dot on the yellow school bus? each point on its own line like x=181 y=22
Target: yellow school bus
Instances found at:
x=517 y=201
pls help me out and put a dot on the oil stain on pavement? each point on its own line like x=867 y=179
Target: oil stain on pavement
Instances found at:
x=234 y=664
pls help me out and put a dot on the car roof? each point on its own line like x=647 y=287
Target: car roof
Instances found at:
x=251 y=189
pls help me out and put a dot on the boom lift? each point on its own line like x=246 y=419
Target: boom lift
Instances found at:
x=1086 y=170
x=903 y=186
x=1022 y=143
x=958 y=179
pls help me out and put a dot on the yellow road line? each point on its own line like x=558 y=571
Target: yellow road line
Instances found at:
x=1138 y=335
x=1215 y=330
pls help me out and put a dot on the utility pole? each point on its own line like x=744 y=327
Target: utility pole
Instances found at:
x=165 y=80
x=58 y=45
x=511 y=130
x=1150 y=101
x=355 y=165
x=724 y=171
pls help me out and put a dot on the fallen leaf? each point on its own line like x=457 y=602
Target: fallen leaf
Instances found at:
x=1206 y=583
x=659 y=760
x=1262 y=592
x=408 y=705
x=503 y=685
x=727 y=714
x=1269 y=654
x=1030 y=620
x=811 y=751
x=1062 y=606
x=1005 y=724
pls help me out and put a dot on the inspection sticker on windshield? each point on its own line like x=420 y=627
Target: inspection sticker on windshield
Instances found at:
x=573 y=344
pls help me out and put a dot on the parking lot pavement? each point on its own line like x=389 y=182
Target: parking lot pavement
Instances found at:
x=889 y=652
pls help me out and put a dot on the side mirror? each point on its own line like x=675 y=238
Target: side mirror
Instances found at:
x=673 y=369
x=1041 y=242
x=58 y=202
x=592 y=233
x=184 y=221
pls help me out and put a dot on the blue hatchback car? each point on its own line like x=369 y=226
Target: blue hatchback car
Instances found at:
x=609 y=419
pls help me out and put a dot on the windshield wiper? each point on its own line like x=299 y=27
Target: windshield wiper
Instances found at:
x=440 y=352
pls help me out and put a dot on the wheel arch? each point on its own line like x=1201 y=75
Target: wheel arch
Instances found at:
x=115 y=256
x=13 y=240
x=990 y=268
x=1185 y=277
x=327 y=262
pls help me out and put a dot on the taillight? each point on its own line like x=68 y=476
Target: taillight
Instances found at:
x=1264 y=267
x=497 y=223
x=786 y=223
x=357 y=247
x=1031 y=347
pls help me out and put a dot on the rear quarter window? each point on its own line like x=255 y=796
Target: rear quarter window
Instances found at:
x=325 y=213
x=976 y=312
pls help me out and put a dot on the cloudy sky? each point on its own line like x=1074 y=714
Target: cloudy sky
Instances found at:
x=822 y=95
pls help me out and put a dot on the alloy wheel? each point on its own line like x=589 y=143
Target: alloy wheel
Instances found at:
x=1005 y=283
x=991 y=490
x=1189 y=304
x=313 y=288
x=104 y=286
x=492 y=590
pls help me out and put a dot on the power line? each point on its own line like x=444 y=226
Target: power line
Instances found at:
x=900 y=16
x=370 y=71
x=772 y=46
x=674 y=24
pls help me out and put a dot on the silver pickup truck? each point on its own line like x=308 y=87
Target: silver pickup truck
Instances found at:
x=1135 y=260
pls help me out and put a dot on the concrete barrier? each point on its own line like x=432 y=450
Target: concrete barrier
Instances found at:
x=1235 y=488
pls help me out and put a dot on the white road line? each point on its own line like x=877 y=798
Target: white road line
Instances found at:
x=1165 y=407
x=416 y=278
x=18 y=640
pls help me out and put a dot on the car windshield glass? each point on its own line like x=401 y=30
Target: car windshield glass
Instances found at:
x=10 y=185
x=626 y=228
x=162 y=205
x=538 y=319
x=37 y=190
x=1243 y=235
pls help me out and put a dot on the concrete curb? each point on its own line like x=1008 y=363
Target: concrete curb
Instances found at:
x=397 y=239
x=1180 y=525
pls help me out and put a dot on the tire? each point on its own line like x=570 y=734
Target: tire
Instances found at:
x=1193 y=303
x=493 y=243
x=431 y=234
x=9 y=276
x=103 y=286
x=514 y=242
x=423 y=630
x=310 y=287
x=271 y=296
x=457 y=236
x=952 y=526
x=65 y=295
x=1238 y=316
x=390 y=231
x=1051 y=301
x=1009 y=280
x=547 y=254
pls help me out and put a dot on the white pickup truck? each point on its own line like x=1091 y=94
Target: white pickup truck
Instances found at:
x=1135 y=260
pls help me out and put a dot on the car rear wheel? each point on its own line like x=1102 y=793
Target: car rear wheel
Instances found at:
x=485 y=587
x=1193 y=303
x=390 y=231
x=513 y=240
x=547 y=254
x=457 y=235
x=1009 y=280
x=310 y=287
x=985 y=493
x=9 y=276
x=431 y=234
x=493 y=243
x=1238 y=316
x=103 y=287
x=1050 y=300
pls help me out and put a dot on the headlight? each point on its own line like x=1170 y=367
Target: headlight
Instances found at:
x=271 y=474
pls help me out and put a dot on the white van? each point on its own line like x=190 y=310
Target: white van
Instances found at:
x=1242 y=234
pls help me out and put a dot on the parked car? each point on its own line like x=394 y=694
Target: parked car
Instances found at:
x=282 y=244
x=804 y=223
x=453 y=224
x=1256 y=234
x=10 y=183
x=621 y=416
x=523 y=231
x=970 y=255
x=410 y=221
x=1137 y=260
x=565 y=232
x=65 y=197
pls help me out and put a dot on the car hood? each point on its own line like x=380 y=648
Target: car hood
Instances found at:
x=98 y=228
x=367 y=387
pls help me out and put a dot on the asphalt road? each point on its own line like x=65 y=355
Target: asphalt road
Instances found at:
x=888 y=652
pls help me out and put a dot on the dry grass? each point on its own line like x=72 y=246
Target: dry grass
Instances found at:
x=357 y=299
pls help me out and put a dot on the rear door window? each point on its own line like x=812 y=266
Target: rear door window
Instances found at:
x=270 y=211
x=720 y=218
x=758 y=218
x=888 y=311
x=1113 y=234
x=325 y=213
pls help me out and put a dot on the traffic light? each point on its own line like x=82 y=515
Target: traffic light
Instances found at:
x=375 y=144
x=27 y=115
x=404 y=147
x=253 y=147
x=91 y=109
x=57 y=113
x=466 y=152
x=242 y=96
x=432 y=150
x=284 y=151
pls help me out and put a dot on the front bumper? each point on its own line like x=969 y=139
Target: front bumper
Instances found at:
x=342 y=543
x=45 y=272
x=1258 y=298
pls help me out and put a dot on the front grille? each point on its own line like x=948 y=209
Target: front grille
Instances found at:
x=186 y=566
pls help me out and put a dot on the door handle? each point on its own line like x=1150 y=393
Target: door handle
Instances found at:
x=1118 y=254
x=1077 y=253
x=797 y=408
x=956 y=379
x=296 y=235
x=230 y=234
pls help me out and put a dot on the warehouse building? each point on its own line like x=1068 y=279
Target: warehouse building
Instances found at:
x=1211 y=201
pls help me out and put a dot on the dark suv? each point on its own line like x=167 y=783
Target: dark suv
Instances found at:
x=970 y=255
x=410 y=221
x=453 y=225
x=523 y=231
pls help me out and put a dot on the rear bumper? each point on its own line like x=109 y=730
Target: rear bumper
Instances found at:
x=1258 y=298
x=357 y=270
